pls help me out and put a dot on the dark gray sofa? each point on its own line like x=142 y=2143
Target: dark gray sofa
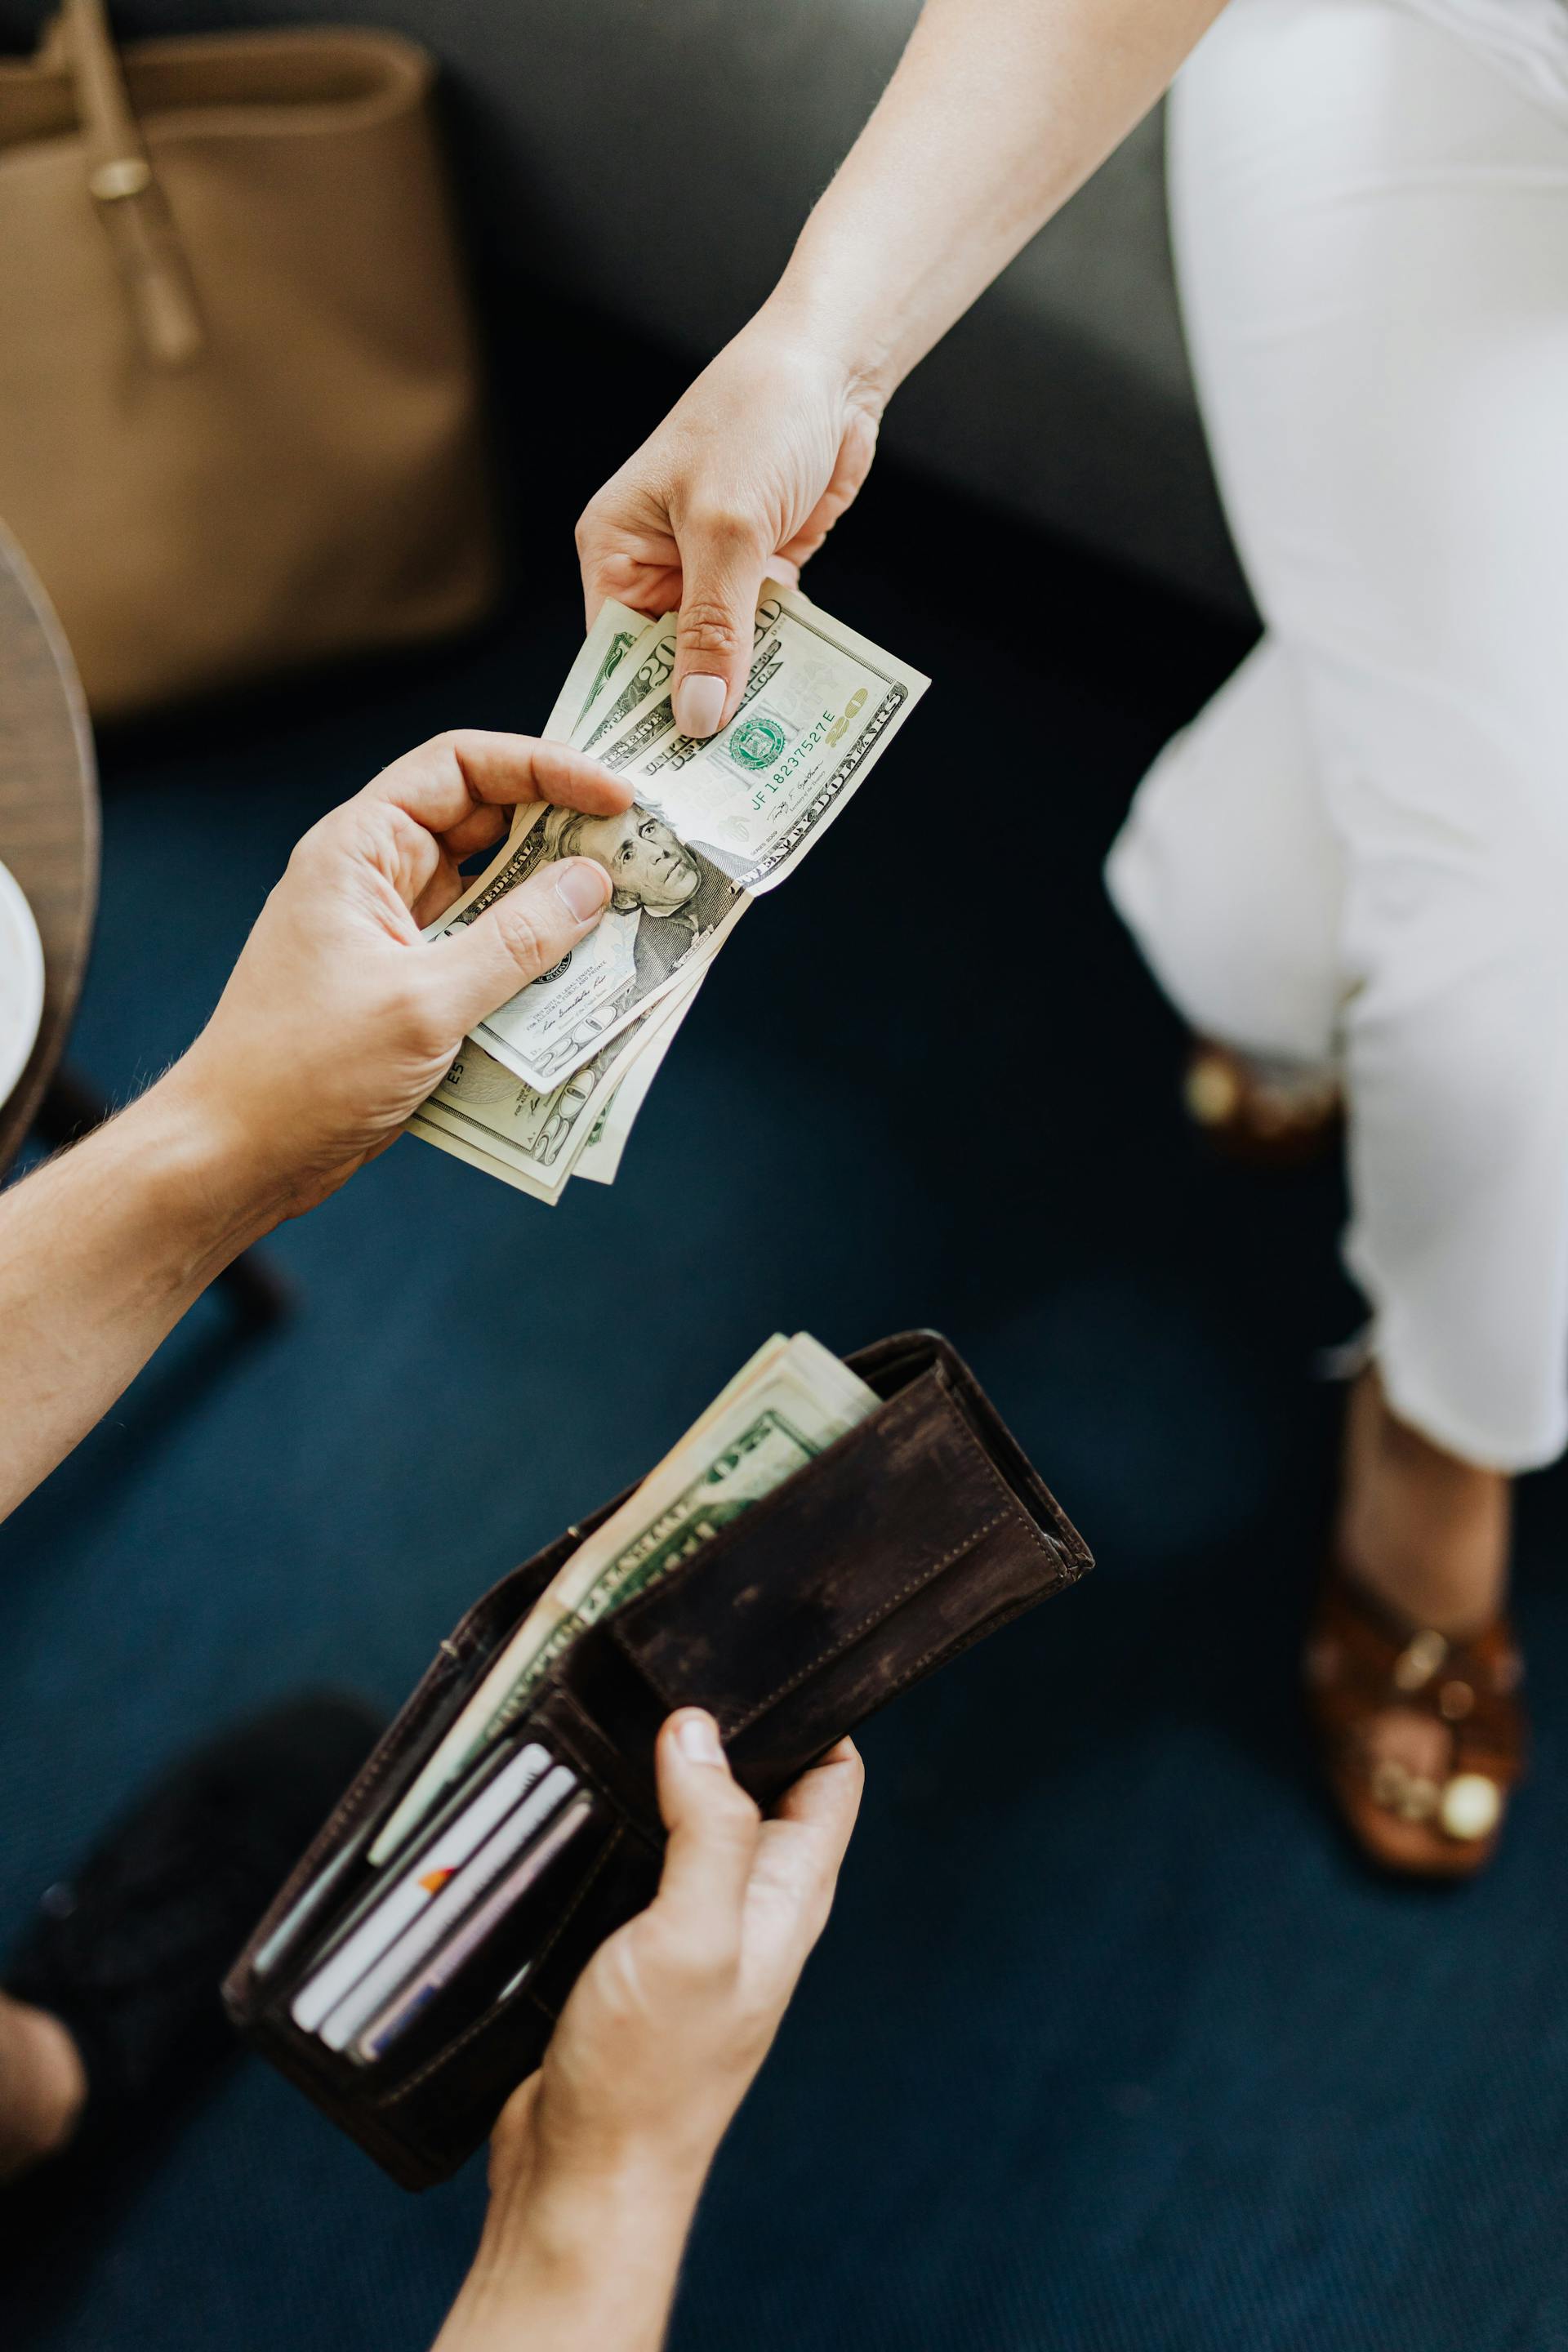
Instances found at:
x=657 y=159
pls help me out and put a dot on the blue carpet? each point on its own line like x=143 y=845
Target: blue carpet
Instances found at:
x=1110 y=2045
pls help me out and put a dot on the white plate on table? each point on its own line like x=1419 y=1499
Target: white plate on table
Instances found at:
x=21 y=981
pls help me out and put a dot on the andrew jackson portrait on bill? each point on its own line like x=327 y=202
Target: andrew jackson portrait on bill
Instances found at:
x=714 y=822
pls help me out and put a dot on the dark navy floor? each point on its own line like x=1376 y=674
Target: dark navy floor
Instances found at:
x=1111 y=2046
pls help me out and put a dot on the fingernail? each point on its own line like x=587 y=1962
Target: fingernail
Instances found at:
x=582 y=886
x=697 y=1737
x=699 y=705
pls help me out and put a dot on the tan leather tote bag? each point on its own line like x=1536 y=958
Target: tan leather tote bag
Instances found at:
x=238 y=412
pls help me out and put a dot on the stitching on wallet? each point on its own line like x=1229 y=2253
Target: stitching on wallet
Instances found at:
x=884 y=1609
x=450 y=2049
x=1043 y=1541
x=1011 y=1507
x=941 y=1651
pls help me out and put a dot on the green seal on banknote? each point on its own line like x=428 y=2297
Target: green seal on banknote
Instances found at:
x=755 y=743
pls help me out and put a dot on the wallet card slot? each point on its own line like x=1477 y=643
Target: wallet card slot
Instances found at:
x=295 y=1919
x=491 y=1981
x=497 y=1970
x=294 y=1924
x=590 y=1874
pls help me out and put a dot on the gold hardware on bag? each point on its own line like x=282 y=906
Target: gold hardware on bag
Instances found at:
x=112 y=182
x=147 y=251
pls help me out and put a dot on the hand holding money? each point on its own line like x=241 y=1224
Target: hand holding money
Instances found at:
x=337 y=1020
x=740 y=483
x=548 y=1085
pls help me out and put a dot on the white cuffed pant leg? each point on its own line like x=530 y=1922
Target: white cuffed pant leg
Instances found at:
x=1360 y=849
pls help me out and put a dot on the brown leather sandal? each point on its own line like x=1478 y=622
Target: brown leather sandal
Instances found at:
x=1360 y=1664
x=1269 y=1115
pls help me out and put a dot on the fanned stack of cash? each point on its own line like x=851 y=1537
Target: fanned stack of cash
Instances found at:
x=780 y=1410
x=548 y=1087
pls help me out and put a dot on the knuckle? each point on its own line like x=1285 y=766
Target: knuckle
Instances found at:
x=731 y=1814
x=307 y=850
x=553 y=764
x=444 y=752
x=723 y=523
x=524 y=938
x=442 y=746
x=709 y=627
x=745 y=1809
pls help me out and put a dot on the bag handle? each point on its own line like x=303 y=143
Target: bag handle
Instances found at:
x=124 y=189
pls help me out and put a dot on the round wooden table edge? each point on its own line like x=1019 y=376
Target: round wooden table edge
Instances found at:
x=46 y=733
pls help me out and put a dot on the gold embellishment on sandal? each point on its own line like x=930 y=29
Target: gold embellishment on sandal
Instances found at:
x=1398 y=1790
x=1471 y=1807
x=1422 y=1798
x=1419 y=1661
x=1454 y=1701
x=1212 y=1090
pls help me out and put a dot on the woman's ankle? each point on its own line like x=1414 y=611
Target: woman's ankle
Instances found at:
x=1423 y=1531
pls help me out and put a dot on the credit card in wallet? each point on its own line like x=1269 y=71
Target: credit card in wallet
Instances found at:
x=420 y=1939
x=407 y=1895
x=471 y=1933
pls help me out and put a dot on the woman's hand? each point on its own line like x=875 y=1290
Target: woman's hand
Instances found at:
x=741 y=482
x=339 y=1018
x=598 y=2161
x=998 y=110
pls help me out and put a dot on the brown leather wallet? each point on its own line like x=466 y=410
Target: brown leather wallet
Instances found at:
x=903 y=1542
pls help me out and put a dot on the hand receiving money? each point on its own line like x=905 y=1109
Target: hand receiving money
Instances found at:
x=548 y=1087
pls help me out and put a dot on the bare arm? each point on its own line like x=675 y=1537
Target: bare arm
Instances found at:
x=100 y=1254
x=998 y=110
x=337 y=1021
x=599 y=2160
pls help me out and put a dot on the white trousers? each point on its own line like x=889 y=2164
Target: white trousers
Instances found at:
x=1359 y=851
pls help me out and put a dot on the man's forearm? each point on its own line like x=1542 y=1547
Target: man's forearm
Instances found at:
x=998 y=111
x=100 y=1254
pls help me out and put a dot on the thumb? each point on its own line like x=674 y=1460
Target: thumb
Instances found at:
x=524 y=933
x=722 y=570
x=713 y=1830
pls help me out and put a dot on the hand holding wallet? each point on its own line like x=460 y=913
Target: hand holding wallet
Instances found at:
x=429 y=1987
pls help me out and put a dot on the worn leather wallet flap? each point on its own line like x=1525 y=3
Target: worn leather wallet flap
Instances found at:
x=920 y=1531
